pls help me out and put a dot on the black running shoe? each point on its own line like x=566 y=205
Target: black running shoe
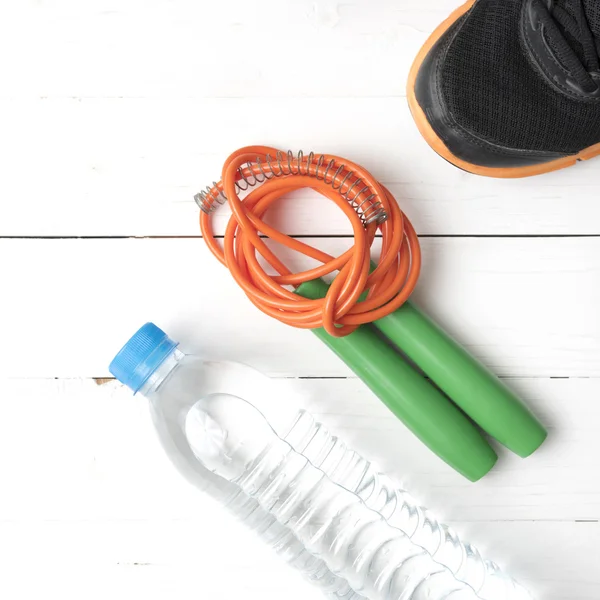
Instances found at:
x=511 y=88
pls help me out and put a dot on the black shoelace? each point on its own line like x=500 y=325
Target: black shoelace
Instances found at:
x=561 y=27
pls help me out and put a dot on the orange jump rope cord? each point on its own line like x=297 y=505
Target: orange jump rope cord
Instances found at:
x=340 y=312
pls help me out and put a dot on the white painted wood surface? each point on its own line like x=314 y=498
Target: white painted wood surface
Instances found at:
x=527 y=306
x=112 y=114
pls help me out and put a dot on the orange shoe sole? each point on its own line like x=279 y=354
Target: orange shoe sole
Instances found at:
x=438 y=145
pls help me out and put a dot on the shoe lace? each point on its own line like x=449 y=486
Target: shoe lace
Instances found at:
x=567 y=30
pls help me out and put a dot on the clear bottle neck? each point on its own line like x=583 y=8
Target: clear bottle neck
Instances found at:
x=159 y=376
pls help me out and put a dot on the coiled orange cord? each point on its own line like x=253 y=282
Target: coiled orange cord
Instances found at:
x=368 y=205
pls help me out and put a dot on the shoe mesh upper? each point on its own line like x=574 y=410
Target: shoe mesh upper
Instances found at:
x=592 y=11
x=492 y=89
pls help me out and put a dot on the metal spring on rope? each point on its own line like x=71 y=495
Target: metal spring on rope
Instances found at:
x=368 y=209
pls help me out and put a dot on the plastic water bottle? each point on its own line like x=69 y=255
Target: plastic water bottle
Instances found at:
x=233 y=439
x=201 y=407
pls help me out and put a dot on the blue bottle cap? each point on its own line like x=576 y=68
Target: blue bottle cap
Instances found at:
x=141 y=356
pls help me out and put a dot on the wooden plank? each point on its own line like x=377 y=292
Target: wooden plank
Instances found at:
x=227 y=49
x=90 y=496
x=202 y=557
x=130 y=166
x=93 y=451
x=526 y=307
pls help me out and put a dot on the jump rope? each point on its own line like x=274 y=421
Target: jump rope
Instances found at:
x=365 y=311
x=367 y=204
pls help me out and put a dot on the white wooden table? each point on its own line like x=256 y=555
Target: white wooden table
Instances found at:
x=112 y=114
